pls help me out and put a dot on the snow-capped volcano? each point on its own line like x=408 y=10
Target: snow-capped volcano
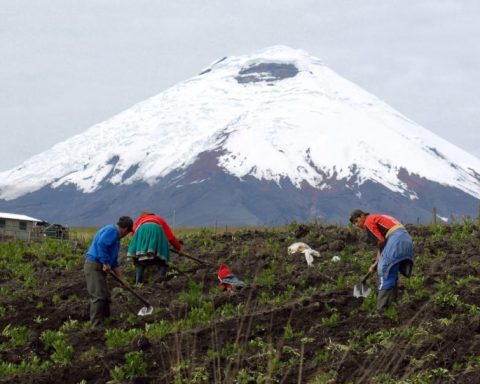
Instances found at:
x=278 y=115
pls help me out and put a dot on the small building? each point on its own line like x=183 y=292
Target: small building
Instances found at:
x=15 y=226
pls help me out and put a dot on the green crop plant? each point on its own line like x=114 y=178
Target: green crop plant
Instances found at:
x=32 y=365
x=245 y=376
x=277 y=299
x=337 y=347
x=229 y=310
x=446 y=322
x=118 y=338
x=391 y=313
x=419 y=363
x=18 y=336
x=64 y=352
x=24 y=272
x=158 y=330
x=323 y=355
x=422 y=294
x=447 y=300
x=273 y=248
x=473 y=361
x=178 y=368
x=90 y=354
x=69 y=325
x=134 y=366
x=417 y=336
x=415 y=281
x=56 y=299
x=381 y=339
x=199 y=376
x=463 y=282
x=344 y=281
x=267 y=277
x=325 y=377
x=328 y=287
x=289 y=268
x=230 y=351
x=72 y=298
x=438 y=231
x=369 y=304
x=57 y=340
x=473 y=309
x=463 y=231
x=289 y=333
x=333 y=319
x=193 y=296
x=197 y=316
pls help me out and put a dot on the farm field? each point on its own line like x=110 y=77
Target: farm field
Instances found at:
x=291 y=324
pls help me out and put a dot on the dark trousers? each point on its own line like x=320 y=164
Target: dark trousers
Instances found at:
x=140 y=266
x=97 y=288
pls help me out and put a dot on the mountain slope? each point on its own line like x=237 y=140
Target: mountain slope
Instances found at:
x=277 y=120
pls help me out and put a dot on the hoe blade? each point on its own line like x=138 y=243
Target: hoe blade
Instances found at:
x=361 y=290
x=145 y=311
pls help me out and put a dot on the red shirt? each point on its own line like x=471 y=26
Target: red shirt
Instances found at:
x=160 y=221
x=378 y=225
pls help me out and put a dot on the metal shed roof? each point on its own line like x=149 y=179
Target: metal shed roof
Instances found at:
x=14 y=216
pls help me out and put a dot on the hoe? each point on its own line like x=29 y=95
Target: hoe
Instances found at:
x=361 y=289
x=144 y=311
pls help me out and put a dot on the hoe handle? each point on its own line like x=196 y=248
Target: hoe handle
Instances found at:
x=130 y=289
x=367 y=275
x=189 y=256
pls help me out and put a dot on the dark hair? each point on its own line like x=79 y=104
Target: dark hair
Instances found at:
x=125 y=222
x=357 y=213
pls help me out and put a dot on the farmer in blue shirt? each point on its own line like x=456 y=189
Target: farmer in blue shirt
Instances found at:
x=102 y=257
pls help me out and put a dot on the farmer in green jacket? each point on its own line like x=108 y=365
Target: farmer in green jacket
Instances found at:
x=102 y=257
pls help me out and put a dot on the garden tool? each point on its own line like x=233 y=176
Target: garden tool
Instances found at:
x=361 y=289
x=148 y=309
x=189 y=257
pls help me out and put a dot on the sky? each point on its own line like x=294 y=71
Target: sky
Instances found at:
x=66 y=65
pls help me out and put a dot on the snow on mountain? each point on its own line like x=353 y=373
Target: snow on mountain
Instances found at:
x=275 y=114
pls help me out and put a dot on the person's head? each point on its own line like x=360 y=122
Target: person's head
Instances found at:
x=357 y=218
x=125 y=224
x=145 y=213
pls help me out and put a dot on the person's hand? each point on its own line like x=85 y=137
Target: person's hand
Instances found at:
x=373 y=267
x=106 y=268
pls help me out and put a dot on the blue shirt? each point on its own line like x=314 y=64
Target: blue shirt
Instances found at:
x=105 y=246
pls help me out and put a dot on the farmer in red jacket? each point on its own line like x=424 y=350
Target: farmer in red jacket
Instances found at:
x=394 y=251
x=150 y=244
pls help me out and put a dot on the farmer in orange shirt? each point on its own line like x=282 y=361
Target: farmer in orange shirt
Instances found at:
x=394 y=251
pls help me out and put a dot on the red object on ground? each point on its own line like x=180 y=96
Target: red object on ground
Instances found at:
x=223 y=272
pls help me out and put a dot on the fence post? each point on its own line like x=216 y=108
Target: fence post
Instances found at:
x=434 y=212
x=479 y=213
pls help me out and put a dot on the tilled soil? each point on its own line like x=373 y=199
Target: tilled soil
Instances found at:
x=317 y=333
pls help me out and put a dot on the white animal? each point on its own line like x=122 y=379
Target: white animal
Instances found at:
x=305 y=249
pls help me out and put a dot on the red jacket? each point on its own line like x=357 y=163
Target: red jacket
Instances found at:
x=378 y=225
x=151 y=218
